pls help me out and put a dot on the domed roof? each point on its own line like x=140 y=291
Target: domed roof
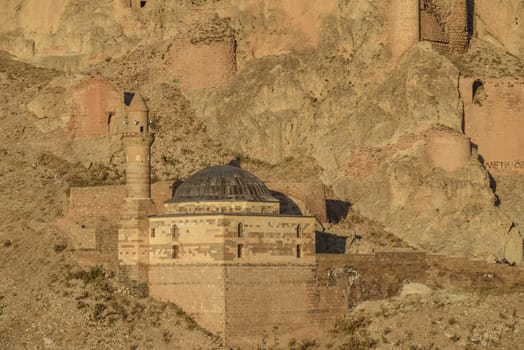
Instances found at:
x=222 y=183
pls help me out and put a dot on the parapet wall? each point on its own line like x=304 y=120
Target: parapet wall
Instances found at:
x=493 y=120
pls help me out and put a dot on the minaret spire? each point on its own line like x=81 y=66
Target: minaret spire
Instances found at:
x=133 y=236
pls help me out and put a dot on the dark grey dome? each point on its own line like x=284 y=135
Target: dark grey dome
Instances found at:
x=222 y=183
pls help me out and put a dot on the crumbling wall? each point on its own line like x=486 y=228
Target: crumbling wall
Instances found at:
x=202 y=65
x=449 y=151
x=345 y=280
x=97 y=108
x=493 y=120
x=444 y=23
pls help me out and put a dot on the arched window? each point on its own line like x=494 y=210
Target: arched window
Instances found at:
x=299 y=231
x=240 y=230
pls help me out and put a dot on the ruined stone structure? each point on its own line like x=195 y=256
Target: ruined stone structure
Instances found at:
x=97 y=109
x=442 y=23
x=202 y=65
x=493 y=120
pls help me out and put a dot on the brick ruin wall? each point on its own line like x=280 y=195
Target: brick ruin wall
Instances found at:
x=493 y=120
x=97 y=109
x=345 y=280
x=444 y=24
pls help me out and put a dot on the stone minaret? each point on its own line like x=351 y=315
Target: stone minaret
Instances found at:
x=133 y=235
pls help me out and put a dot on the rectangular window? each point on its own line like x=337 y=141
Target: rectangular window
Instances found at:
x=240 y=230
x=299 y=251
x=174 y=252
x=174 y=231
x=240 y=251
x=152 y=233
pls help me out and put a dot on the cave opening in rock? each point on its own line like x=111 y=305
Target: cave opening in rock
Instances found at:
x=477 y=84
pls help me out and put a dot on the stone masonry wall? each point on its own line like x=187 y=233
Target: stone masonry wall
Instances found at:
x=198 y=289
x=345 y=280
x=493 y=120
x=216 y=238
x=275 y=302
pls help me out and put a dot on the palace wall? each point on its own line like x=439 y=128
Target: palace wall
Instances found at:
x=269 y=301
x=493 y=120
x=199 y=289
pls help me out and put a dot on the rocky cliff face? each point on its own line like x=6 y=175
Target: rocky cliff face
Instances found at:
x=317 y=90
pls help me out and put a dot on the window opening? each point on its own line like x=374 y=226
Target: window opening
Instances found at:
x=299 y=231
x=174 y=231
x=240 y=230
x=141 y=129
x=174 y=252
x=152 y=233
x=240 y=251
x=142 y=4
x=299 y=251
